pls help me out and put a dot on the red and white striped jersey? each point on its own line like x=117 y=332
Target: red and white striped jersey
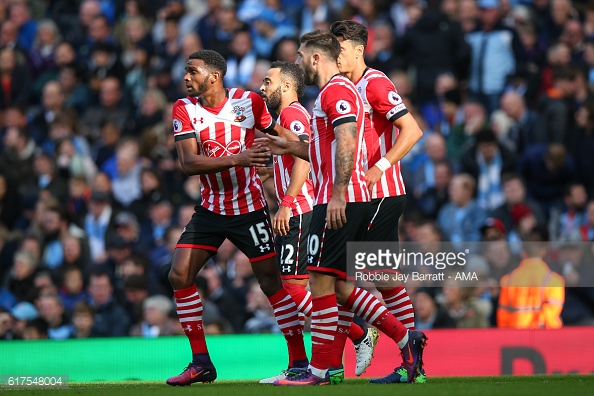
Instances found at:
x=296 y=119
x=227 y=129
x=337 y=103
x=382 y=106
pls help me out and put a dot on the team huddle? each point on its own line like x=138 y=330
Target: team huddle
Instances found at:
x=351 y=146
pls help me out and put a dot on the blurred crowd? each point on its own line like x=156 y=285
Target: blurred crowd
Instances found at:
x=92 y=198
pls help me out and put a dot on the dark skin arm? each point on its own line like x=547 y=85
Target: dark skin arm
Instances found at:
x=193 y=163
x=280 y=146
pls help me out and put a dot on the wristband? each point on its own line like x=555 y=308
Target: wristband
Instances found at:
x=383 y=164
x=287 y=201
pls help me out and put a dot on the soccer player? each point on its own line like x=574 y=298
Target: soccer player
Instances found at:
x=214 y=132
x=281 y=89
x=341 y=213
x=390 y=133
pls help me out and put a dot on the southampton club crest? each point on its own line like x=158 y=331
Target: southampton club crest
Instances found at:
x=238 y=113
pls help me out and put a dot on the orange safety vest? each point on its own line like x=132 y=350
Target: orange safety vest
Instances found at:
x=531 y=297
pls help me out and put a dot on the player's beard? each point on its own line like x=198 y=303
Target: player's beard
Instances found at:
x=202 y=88
x=309 y=75
x=274 y=99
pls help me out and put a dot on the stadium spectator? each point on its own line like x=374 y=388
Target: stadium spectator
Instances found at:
x=587 y=230
x=135 y=292
x=15 y=82
x=496 y=55
x=428 y=313
x=82 y=320
x=523 y=121
x=72 y=290
x=573 y=265
x=461 y=218
x=532 y=295
x=22 y=275
x=110 y=108
x=546 y=169
x=241 y=61
x=52 y=310
x=555 y=121
x=21 y=313
x=98 y=223
x=35 y=329
x=111 y=320
x=125 y=175
x=486 y=160
x=461 y=305
x=155 y=322
x=569 y=221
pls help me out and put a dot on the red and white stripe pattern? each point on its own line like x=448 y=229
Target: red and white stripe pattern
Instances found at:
x=345 y=320
x=286 y=315
x=226 y=130
x=399 y=304
x=370 y=309
x=189 y=311
x=296 y=119
x=382 y=106
x=337 y=102
x=367 y=306
x=324 y=320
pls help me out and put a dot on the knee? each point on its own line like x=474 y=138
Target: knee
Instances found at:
x=179 y=278
x=270 y=283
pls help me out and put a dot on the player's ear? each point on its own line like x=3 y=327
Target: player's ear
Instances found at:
x=214 y=76
x=286 y=86
x=360 y=50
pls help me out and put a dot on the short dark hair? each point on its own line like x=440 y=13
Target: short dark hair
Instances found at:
x=212 y=59
x=292 y=72
x=322 y=40
x=350 y=30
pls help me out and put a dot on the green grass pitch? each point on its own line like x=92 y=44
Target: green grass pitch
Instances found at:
x=540 y=385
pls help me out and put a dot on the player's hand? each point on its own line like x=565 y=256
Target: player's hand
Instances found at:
x=336 y=213
x=280 y=223
x=276 y=144
x=372 y=176
x=256 y=155
x=265 y=173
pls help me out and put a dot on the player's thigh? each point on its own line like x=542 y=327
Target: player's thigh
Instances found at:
x=327 y=247
x=385 y=213
x=198 y=242
x=291 y=248
x=252 y=234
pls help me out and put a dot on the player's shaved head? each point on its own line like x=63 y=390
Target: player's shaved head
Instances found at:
x=291 y=72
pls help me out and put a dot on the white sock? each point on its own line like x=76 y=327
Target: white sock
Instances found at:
x=403 y=341
x=317 y=372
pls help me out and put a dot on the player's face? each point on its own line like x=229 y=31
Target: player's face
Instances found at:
x=348 y=55
x=197 y=77
x=271 y=89
x=304 y=61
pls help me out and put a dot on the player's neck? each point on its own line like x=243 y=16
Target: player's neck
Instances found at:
x=213 y=98
x=357 y=72
x=325 y=74
x=286 y=102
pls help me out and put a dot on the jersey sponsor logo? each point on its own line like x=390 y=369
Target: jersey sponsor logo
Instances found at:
x=177 y=125
x=297 y=127
x=238 y=113
x=212 y=148
x=343 y=107
x=394 y=98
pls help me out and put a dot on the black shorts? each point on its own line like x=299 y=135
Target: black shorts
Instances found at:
x=251 y=233
x=385 y=212
x=291 y=249
x=327 y=248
